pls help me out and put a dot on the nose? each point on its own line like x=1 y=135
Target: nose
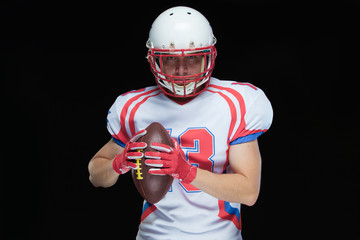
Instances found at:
x=181 y=68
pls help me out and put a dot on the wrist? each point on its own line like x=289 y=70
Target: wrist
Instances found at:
x=119 y=168
x=191 y=175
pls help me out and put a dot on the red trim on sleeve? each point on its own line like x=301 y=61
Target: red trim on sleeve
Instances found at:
x=241 y=102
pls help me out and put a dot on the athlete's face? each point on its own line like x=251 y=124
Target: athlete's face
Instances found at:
x=182 y=66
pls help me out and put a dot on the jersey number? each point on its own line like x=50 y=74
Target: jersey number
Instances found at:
x=198 y=144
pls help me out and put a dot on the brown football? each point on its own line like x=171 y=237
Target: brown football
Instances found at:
x=151 y=187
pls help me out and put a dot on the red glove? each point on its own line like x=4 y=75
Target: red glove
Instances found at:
x=121 y=163
x=170 y=161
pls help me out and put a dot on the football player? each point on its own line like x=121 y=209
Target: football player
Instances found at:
x=215 y=124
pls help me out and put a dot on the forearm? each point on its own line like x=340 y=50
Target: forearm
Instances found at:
x=102 y=173
x=227 y=187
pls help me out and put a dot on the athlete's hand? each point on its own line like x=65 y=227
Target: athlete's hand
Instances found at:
x=170 y=161
x=122 y=162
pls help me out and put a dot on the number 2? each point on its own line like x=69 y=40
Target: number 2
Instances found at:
x=199 y=147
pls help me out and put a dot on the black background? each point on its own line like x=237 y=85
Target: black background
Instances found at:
x=63 y=63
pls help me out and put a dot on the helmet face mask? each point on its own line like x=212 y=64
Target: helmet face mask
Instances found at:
x=181 y=52
x=182 y=72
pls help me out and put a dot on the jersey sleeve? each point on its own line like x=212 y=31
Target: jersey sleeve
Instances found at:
x=257 y=119
x=114 y=122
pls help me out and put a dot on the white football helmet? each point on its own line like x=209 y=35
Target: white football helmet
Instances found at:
x=181 y=32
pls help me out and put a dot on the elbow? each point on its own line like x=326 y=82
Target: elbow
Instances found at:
x=251 y=198
x=93 y=182
x=91 y=178
x=252 y=195
x=99 y=180
x=104 y=184
x=248 y=199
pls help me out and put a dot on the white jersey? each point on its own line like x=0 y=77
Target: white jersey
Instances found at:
x=226 y=113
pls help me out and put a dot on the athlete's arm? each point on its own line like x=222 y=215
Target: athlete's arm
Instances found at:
x=243 y=185
x=102 y=173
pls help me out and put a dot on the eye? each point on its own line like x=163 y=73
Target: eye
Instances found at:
x=191 y=57
x=170 y=58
